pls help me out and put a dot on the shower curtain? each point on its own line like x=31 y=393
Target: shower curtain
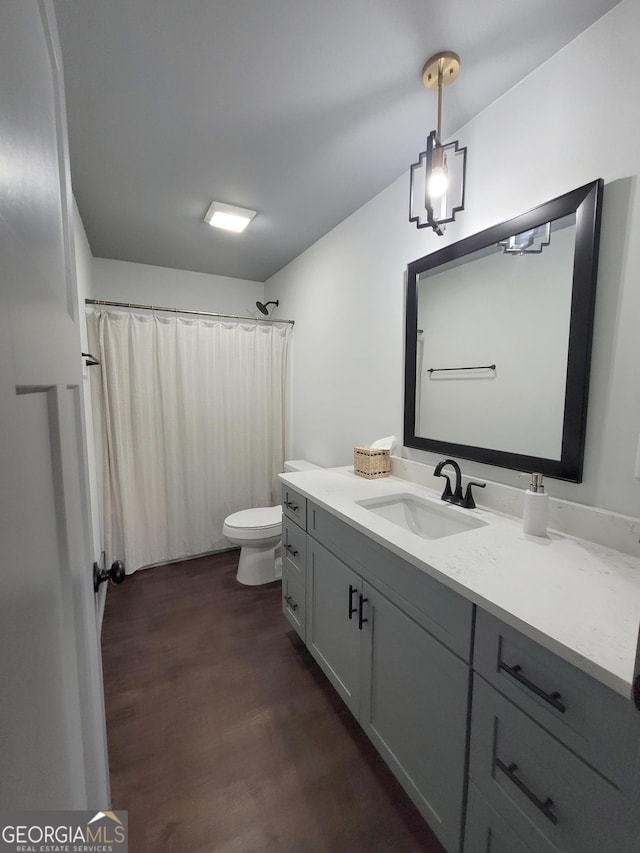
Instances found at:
x=193 y=416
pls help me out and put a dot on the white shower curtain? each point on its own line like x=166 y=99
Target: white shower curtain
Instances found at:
x=193 y=429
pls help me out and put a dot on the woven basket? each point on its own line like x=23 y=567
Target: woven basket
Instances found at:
x=371 y=463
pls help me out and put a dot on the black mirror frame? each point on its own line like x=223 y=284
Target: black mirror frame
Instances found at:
x=586 y=203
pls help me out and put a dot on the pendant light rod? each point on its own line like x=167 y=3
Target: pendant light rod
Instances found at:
x=439 y=71
x=440 y=64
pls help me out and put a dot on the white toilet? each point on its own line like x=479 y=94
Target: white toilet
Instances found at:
x=257 y=533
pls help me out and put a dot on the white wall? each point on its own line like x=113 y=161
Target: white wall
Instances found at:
x=574 y=119
x=122 y=281
x=84 y=275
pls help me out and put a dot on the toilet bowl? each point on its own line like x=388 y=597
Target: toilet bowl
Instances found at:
x=257 y=533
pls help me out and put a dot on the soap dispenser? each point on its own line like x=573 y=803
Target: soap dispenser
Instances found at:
x=536 y=508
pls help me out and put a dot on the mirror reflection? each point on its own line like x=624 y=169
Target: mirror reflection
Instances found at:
x=492 y=350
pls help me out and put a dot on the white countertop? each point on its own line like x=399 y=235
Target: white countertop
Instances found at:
x=578 y=599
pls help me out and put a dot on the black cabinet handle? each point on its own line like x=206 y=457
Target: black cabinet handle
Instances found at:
x=361 y=618
x=291 y=602
x=545 y=806
x=293 y=507
x=291 y=550
x=352 y=609
x=552 y=698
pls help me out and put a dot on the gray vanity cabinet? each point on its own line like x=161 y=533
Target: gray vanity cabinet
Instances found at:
x=406 y=688
x=545 y=758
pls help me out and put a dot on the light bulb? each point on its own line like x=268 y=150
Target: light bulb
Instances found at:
x=438 y=182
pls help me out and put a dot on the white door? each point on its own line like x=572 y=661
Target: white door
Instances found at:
x=52 y=734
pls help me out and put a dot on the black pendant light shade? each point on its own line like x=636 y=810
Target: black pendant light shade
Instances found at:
x=429 y=207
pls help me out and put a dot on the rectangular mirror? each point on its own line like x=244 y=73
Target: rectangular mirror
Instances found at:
x=498 y=340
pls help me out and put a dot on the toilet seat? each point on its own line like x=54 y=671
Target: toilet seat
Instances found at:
x=258 y=523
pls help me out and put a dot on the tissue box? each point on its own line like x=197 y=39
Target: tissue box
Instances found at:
x=371 y=463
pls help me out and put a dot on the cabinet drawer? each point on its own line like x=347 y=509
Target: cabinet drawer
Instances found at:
x=487 y=832
x=295 y=506
x=549 y=796
x=294 y=544
x=595 y=722
x=444 y=613
x=293 y=597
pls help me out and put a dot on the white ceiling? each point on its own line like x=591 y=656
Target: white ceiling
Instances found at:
x=300 y=109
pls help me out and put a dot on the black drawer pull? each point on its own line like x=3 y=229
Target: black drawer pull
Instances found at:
x=293 y=507
x=291 y=550
x=352 y=609
x=291 y=602
x=552 y=698
x=361 y=618
x=545 y=806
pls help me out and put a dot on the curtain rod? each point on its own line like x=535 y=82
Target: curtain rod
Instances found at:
x=185 y=311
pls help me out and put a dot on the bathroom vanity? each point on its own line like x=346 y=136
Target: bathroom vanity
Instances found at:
x=492 y=671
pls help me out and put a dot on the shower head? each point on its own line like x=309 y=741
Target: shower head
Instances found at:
x=264 y=308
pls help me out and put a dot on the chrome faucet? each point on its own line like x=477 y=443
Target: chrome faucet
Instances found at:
x=454 y=496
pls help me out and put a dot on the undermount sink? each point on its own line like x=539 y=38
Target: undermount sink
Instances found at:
x=422 y=517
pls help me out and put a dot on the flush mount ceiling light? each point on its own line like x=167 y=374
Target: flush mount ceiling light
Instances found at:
x=530 y=242
x=437 y=179
x=228 y=216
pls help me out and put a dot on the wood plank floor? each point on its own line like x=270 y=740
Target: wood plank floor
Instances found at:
x=224 y=735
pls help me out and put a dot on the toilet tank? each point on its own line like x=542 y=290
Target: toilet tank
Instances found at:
x=300 y=465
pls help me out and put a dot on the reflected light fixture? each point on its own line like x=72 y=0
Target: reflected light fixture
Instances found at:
x=437 y=179
x=228 y=216
x=530 y=242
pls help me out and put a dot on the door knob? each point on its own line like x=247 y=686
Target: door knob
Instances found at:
x=116 y=573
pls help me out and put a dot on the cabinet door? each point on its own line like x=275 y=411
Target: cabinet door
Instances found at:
x=414 y=708
x=333 y=635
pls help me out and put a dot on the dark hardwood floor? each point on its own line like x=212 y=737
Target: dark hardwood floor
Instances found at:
x=224 y=735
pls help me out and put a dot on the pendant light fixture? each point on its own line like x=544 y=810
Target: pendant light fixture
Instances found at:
x=437 y=179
